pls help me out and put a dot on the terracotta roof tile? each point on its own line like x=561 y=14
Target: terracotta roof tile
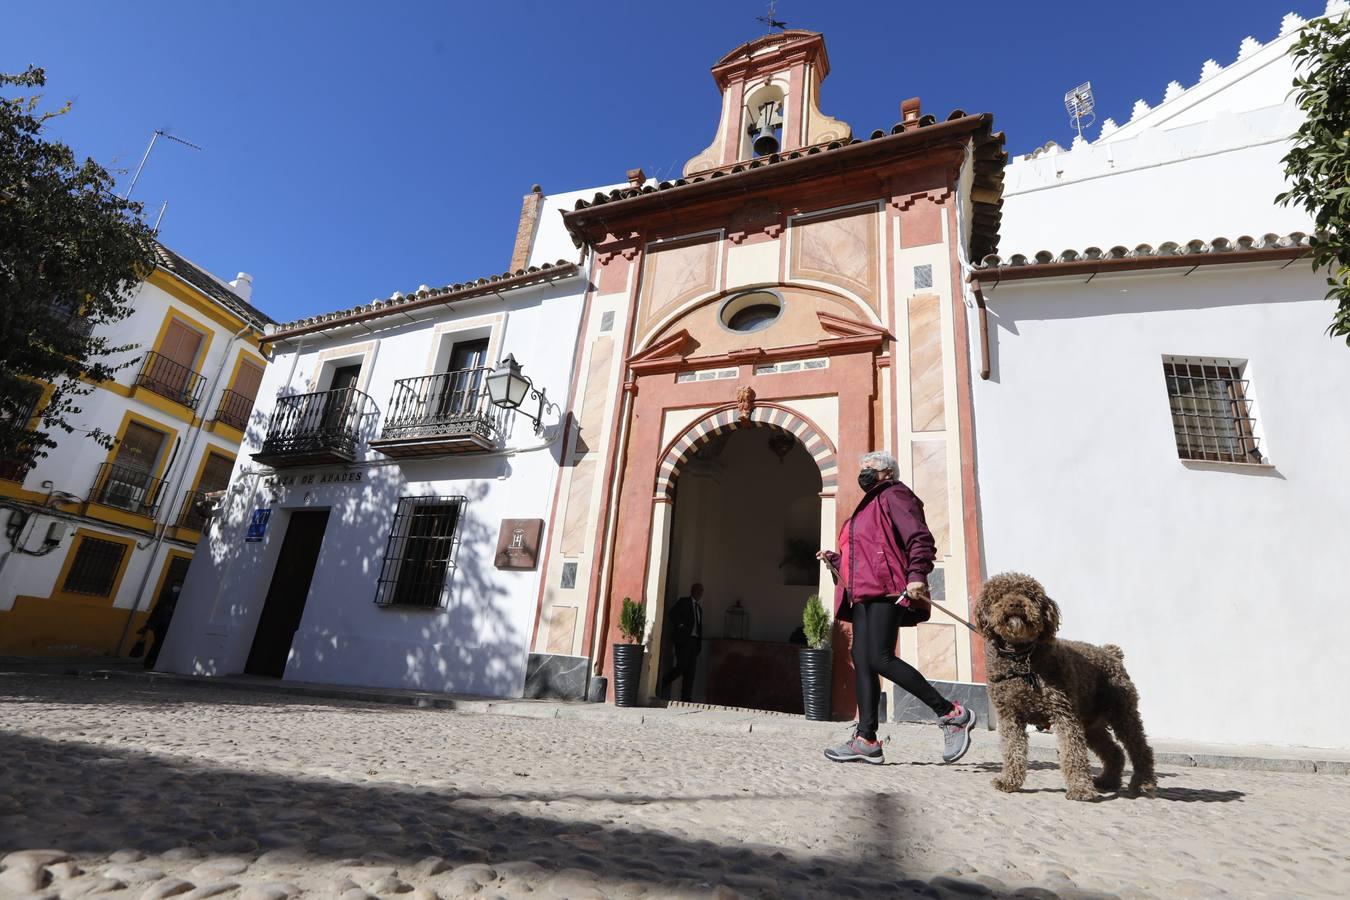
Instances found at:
x=424 y=295
x=989 y=167
x=209 y=285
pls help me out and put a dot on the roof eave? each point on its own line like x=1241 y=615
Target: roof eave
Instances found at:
x=544 y=275
x=576 y=220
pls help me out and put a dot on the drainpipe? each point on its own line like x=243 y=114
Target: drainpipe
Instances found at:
x=163 y=528
x=984 y=330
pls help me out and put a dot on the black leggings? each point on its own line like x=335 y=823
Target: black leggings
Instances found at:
x=876 y=625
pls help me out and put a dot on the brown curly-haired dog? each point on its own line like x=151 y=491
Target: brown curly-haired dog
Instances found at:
x=1079 y=689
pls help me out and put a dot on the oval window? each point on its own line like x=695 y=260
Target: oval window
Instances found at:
x=752 y=311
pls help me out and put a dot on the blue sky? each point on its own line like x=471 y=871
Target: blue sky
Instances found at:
x=355 y=149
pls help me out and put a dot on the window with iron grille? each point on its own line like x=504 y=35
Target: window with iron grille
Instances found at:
x=420 y=558
x=1211 y=409
x=95 y=568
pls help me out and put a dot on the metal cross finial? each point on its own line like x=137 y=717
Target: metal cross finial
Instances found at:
x=770 y=19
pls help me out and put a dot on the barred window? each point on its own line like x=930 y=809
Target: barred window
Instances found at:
x=420 y=557
x=1211 y=409
x=95 y=568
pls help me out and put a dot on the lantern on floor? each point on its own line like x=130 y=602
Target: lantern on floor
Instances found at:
x=736 y=622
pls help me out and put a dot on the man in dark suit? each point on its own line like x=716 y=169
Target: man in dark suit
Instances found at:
x=686 y=629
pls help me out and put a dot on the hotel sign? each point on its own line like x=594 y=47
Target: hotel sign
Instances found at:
x=518 y=543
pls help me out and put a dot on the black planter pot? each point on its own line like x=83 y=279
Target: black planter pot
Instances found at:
x=627 y=673
x=816 y=667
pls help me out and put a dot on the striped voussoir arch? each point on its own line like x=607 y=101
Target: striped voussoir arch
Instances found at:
x=706 y=429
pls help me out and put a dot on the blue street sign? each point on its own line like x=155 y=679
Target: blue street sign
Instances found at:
x=257 y=526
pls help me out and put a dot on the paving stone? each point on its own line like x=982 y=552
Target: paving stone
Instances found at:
x=216 y=869
x=34 y=859
x=269 y=890
x=126 y=856
x=21 y=880
x=169 y=887
x=389 y=884
x=63 y=870
x=432 y=865
x=133 y=874
x=181 y=854
x=214 y=889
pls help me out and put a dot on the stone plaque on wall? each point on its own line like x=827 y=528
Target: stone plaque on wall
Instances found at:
x=518 y=543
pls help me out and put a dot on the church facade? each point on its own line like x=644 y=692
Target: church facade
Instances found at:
x=751 y=330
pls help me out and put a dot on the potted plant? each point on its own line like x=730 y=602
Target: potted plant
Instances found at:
x=815 y=660
x=628 y=656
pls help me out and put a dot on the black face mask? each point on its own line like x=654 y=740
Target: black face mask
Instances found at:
x=868 y=479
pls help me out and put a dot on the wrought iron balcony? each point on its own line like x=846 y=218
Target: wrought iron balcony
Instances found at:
x=315 y=429
x=435 y=415
x=170 y=379
x=127 y=487
x=233 y=409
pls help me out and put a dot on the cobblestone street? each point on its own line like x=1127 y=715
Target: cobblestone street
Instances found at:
x=152 y=791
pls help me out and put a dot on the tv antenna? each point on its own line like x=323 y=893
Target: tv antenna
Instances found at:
x=159 y=133
x=1081 y=106
x=770 y=19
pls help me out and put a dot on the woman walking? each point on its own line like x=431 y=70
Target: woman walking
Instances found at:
x=885 y=554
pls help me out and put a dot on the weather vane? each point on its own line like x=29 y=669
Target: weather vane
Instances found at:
x=770 y=19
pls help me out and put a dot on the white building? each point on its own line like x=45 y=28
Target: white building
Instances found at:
x=95 y=537
x=1161 y=432
x=384 y=524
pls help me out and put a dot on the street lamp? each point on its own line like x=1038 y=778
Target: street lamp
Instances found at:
x=507 y=388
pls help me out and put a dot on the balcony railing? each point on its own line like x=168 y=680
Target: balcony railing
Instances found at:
x=191 y=514
x=127 y=487
x=233 y=409
x=170 y=379
x=439 y=414
x=314 y=429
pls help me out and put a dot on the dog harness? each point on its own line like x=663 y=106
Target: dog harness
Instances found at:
x=1020 y=660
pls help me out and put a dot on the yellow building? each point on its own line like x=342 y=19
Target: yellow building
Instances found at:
x=94 y=537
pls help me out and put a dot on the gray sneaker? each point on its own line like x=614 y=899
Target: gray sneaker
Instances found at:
x=857 y=749
x=956 y=727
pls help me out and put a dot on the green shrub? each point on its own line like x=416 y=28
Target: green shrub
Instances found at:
x=632 y=621
x=815 y=622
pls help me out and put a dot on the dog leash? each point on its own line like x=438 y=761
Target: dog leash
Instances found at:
x=930 y=600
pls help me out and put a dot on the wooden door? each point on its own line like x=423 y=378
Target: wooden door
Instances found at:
x=216 y=473
x=215 y=477
x=285 y=603
x=467 y=359
x=172 y=371
x=129 y=480
x=341 y=399
x=247 y=382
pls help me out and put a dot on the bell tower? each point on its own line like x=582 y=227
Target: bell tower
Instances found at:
x=770 y=100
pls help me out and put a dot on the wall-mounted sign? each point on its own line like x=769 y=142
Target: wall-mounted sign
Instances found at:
x=343 y=476
x=518 y=543
x=257 y=526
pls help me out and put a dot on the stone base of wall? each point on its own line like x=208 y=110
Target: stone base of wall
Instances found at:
x=552 y=676
x=907 y=708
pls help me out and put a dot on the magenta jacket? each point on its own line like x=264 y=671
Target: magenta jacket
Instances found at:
x=883 y=546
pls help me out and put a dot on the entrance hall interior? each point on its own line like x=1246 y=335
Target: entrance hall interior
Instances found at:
x=746 y=525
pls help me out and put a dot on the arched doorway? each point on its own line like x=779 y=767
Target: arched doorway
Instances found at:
x=744 y=498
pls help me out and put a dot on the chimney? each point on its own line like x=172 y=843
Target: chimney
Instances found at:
x=636 y=178
x=530 y=209
x=243 y=286
x=909 y=111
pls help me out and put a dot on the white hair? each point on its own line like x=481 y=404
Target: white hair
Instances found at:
x=878 y=459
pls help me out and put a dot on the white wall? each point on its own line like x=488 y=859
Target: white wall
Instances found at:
x=1224 y=584
x=479 y=644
